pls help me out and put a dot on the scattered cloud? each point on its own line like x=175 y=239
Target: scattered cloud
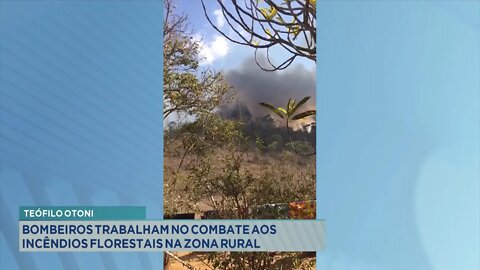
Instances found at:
x=212 y=50
x=219 y=17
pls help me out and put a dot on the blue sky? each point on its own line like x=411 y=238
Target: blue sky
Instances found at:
x=222 y=54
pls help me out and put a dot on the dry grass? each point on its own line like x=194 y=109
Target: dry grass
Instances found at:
x=280 y=177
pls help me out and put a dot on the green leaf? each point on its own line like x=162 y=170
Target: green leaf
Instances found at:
x=267 y=31
x=264 y=12
x=289 y=105
x=271 y=108
x=270 y=13
x=282 y=110
x=299 y=104
x=304 y=114
x=280 y=19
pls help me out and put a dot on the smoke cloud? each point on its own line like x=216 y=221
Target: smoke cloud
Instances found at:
x=254 y=85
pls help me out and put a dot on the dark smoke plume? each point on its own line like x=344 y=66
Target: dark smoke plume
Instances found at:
x=254 y=85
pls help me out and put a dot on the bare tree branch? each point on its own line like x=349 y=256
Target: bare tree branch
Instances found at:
x=265 y=24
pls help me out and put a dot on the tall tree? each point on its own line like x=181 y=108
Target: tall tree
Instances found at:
x=188 y=88
x=265 y=24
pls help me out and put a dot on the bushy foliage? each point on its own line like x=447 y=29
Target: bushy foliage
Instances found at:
x=229 y=182
x=187 y=88
x=217 y=172
x=266 y=134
